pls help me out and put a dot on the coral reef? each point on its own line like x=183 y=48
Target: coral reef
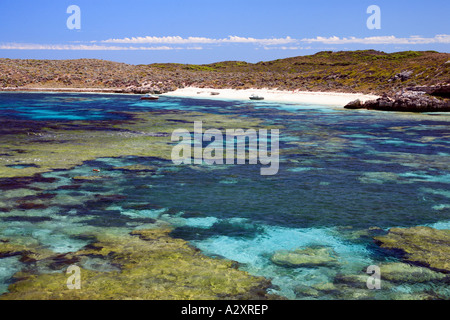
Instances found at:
x=64 y=145
x=146 y=264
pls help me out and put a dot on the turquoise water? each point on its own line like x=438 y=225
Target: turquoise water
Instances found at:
x=341 y=173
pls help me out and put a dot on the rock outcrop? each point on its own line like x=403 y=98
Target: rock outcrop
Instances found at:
x=438 y=90
x=402 y=76
x=357 y=104
x=407 y=101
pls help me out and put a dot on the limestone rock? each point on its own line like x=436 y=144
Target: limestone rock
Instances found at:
x=358 y=281
x=304 y=290
x=407 y=101
x=87 y=178
x=313 y=256
x=136 y=167
x=357 y=104
x=403 y=272
x=402 y=76
x=325 y=286
x=421 y=245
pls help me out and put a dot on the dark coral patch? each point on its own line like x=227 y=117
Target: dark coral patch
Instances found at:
x=221 y=228
x=69 y=187
x=31 y=206
x=117 y=221
x=110 y=198
x=31 y=219
x=63 y=261
x=23 y=182
x=39 y=196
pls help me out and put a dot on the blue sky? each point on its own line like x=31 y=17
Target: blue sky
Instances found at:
x=206 y=31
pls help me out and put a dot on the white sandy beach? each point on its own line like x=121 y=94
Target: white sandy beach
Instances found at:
x=332 y=99
x=335 y=99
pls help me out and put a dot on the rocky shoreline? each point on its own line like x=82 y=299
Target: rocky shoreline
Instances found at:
x=144 y=89
x=422 y=99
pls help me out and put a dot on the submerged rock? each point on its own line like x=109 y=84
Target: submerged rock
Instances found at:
x=358 y=281
x=424 y=246
x=358 y=234
x=413 y=296
x=403 y=272
x=8 y=250
x=137 y=167
x=87 y=178
x=325 y=287
x=314 y=256
x=27 y=253
x=304 y=290
x=18 y=193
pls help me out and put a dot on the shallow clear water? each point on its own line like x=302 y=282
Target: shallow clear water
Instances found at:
x=341 y=172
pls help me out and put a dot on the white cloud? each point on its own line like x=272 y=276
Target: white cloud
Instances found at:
x=194 y=43
x=287 y=48
x=200 y=40
x=84 y=47
x=267 y=42
x=442 y=38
